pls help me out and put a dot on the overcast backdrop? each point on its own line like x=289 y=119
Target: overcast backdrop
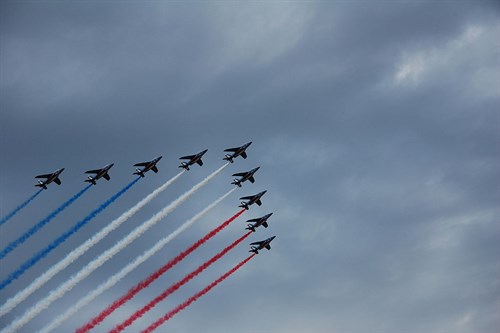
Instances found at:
x=376 y=126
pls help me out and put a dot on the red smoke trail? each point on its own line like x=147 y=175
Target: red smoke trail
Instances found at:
x=193 y=298
x=146 y=282
x=176 y=286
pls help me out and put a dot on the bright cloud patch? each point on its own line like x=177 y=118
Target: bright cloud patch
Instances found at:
x=420 y=64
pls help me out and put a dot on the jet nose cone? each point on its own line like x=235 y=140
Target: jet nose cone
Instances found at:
x=111 y=165
x=203 y=152
x=159 y=158
x=263 y=192
x=269 y=215
x=61 y=170
x=270 y=239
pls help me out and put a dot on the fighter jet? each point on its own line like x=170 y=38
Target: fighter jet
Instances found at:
x=151 y=165
x=192 y=160
x=258 y=222
x=98 y=174
x=251 y=200
x=238 y=151
x=244 y=177
x=261 y=245
x=50 y=177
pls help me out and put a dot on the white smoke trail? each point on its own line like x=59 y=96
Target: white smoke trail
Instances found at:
x=108 y=254
x=110 y=282
x=75 y=254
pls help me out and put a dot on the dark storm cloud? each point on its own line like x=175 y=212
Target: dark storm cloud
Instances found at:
x=375 y=126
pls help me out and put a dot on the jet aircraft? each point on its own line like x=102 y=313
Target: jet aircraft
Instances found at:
x=244 y=177
x=251 y=200
x=261 y=221
x=49 y=178
x=192 y=160
x=98 y=174
x=261 y=245
x=151 y=165
x=238 y=151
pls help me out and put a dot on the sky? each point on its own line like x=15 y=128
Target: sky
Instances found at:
x=375 y=124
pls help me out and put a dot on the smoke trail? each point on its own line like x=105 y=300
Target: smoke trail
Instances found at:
x=61 y=239
x=21 y=206
x=138 y=314
x=108 y=254
x=75 y=254
x=146 y=282
x=40 y=224
x=127 y=269
x=193 y=298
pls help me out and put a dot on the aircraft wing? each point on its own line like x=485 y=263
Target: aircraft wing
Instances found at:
x=93 y=171
x=268 y=246
x=143 y=164
x=200 y=162
x=244 y=154
x=189 y=157
x=57 y=181
x=251 y=179
x=155 y=169
x=258 y=202
x=240 y=174
x=44 y=176
x=265 y=224
x=247 y=198
x=232 y=149
x=106 y=176
x=257 y=243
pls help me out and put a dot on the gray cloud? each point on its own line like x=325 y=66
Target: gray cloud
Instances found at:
x=375 y=126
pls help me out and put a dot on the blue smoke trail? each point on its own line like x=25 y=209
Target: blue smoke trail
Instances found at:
x=61 y=239
x=40 y=224
x=21 y=206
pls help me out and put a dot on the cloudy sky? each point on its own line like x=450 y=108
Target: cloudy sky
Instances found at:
x=376 y=126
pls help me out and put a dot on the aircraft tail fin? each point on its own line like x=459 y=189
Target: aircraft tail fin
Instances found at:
x=184 y=165
x=41 y=184
x=250 y=227
x=139 y=172
x=90 y=179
